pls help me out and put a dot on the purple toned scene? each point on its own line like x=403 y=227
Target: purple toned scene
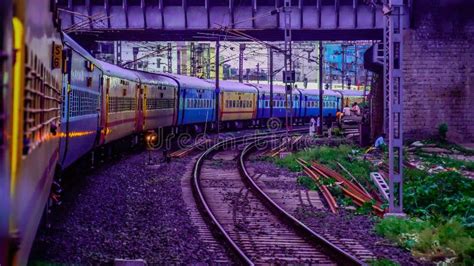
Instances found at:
x=236 y=132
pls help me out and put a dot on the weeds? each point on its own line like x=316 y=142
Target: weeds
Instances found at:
x=441 y=205
x=448 y=241
x=447 y=162
x=383 y=262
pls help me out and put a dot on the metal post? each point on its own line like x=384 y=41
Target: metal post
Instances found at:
x=258 y=73
x=169 y=59
x=208 y=62
x=330 y=76
x=242 y=47
x=394 y=64
x=343 y=66
x=178 y=59
x=356 y=70
x=193 y=60
x=288 y=75
x=320 y=129
x=135 y=55
x=217 y=85
x=119 y=52
x=270 y=73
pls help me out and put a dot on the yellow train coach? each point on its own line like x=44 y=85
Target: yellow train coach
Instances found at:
x=237 y=101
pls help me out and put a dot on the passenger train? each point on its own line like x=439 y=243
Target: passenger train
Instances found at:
x=59 y=103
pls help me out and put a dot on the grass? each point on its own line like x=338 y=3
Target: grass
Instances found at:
x=441 y=206
x=448 y=241
x=383 y=262
x=329 y=156
x=447 y=162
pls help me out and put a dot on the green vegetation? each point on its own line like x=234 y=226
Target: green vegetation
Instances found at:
x=443 y=131
x=446 y=161
x=307 y=182
x=440 y=196
x=329 y=156
x=383 y=262
x=448 y=241
x=441 y=205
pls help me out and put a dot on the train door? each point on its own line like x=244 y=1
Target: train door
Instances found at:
x=105 y=108
x=139 y=111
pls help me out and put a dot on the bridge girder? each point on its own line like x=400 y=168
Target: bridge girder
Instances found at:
x=173 y=20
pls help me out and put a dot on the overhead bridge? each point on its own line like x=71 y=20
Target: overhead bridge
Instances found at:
x=174 y=20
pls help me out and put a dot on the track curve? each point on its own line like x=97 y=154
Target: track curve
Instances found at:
x=255 y=228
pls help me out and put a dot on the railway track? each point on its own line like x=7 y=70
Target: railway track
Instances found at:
x=250 y=223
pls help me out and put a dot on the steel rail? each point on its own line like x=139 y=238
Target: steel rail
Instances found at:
x=338 y=255
x=199 y=194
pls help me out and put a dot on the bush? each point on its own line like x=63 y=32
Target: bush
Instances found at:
x=447 y=241
x=441 y=196
x=307 y=182
x=443 y=131
x=383 y=262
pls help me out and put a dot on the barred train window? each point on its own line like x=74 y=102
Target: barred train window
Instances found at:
x=121 y=104
x=42 y=101
x=82 y=103
x=154 y=103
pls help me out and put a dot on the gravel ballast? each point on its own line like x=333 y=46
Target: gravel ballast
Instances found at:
x=123 y=210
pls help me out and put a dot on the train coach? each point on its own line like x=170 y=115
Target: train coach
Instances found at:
x=237 y=103
x=196 y=101
x=30 y=116
x=160 y=98
x=81 y=101
x=310 y=104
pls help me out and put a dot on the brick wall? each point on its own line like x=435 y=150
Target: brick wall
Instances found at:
x=439 y=70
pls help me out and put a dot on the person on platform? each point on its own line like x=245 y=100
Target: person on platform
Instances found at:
x=339 y=116
x=380 y=142
x=346 y=110
x=312 y=126
x=356 y=109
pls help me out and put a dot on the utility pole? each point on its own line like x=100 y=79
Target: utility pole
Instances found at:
x=270 y=73
x=135 y=55
x=343 y=66
x=119 y=53
x=169 y=58
x=218 y=45
x=178 y=58
x=393 y=87
x=258 y=73
x=242 y=47
x=356 y=70
x=320 y=129
x=208 y=62
x=289 y=74
x=193 y=60
x=330 y=76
